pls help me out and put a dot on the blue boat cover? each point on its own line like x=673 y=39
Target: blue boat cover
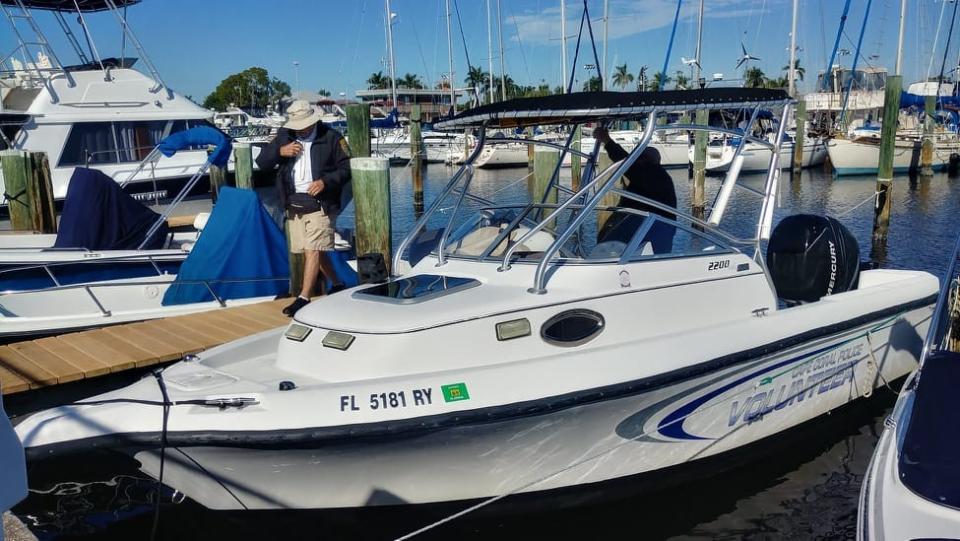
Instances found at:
x=240 y=242
x=199 y=136
x=99 y=215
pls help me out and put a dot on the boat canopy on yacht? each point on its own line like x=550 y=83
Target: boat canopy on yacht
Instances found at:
x=87 y=6
x=99 y=215
x=580 y=107
x=242 y=253
x=199 y=136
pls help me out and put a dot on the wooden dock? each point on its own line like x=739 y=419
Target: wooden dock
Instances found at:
x=70 y=357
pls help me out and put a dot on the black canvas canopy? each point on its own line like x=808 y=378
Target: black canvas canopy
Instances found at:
x=580 y=107
x=68 y=5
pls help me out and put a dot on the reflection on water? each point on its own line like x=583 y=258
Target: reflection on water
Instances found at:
x=804 y=485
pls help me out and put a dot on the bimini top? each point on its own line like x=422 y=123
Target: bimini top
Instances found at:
x=69 y=5
x=581 y=107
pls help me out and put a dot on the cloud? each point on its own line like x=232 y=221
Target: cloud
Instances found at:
x=627 y=17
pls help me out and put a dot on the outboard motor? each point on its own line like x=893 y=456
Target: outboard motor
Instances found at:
x=811 y=256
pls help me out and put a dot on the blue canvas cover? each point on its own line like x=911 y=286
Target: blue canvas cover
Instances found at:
x=199 y=136
x=240 y=241
x=99 y=215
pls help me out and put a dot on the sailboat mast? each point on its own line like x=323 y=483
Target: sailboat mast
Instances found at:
x=606 y=18
x=393 y=73
x=563 y=45
x=903 y=18
x=696 y=79
x=450 y=79
x=791 y=67
x=489 y=56
x=503 y=70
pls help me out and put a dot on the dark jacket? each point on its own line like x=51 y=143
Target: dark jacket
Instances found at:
x=647 y=178
x=329 y=160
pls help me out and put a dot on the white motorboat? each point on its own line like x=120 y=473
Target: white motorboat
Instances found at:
x=862 y=156
x=13 y=475
x=756 y=157
x=522 y=354
x=99 y=113
x=911 y=489
x=437 y=146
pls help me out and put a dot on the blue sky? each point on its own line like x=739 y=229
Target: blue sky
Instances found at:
x=339 y=43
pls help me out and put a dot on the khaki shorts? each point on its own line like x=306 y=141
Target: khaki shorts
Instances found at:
x=312 y=231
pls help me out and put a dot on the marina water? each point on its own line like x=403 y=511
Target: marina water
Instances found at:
x=803 y=484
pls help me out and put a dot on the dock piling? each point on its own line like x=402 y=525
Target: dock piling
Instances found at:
x=218 y=177
x=801 y=124
x=926 y=147
x=358 y=129
x=609 y=199
x=30 y=191
x=371 y=197
x=888 y=135
x=700 y=165
x=575 y=159
x=243 y=166
x=416 y=157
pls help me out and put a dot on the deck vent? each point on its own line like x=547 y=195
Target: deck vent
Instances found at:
x=515 y=328
x=572 y=328
x=297 y=332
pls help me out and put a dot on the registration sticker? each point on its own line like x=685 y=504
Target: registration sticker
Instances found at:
x=455 y=392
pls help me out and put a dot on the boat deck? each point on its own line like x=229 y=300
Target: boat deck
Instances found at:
x=80 y=355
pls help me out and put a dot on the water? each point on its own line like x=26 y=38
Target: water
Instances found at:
x=801 y=485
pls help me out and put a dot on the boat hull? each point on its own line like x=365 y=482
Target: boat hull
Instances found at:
x=632 y=429
x=862 y=158
x=756 y=159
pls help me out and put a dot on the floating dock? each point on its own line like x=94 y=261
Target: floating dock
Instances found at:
x=53 y=360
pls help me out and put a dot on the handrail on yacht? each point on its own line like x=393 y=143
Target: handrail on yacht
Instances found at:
x=723 y=196
x=539 y=280
x=176 y=201
x=441 y=260
x=719 y=129
x=941 y=306
x=454 y=180
x=145 y=256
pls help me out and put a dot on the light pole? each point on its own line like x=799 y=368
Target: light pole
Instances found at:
x=296 y=74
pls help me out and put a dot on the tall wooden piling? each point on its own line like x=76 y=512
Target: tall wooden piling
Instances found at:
x=801 y=124
x=888 y=135
x=371 y=198
x=575 y=159
x=700 y=165
x=243 y=166
x=358 y=129
x=417 y=157
x=610 y=199
x=544 y=162
x=926 y=147
x=530 y=149
x=217 y=176
x=27 y=181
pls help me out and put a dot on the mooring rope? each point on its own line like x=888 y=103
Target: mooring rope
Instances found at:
x=860 y=204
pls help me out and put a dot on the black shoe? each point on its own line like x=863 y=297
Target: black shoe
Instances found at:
x=297 y=304
x=336 y=288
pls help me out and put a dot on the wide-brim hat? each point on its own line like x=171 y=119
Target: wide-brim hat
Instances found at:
x=301 y=115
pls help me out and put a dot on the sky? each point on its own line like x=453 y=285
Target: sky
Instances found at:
x=339 y=43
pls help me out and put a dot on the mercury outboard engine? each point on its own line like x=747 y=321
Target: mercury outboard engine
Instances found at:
x=811 y=256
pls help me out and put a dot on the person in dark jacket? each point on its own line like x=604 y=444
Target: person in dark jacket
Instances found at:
x=313 y=167
x=647 y=178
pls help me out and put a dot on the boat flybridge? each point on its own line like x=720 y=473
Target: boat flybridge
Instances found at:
x=99 y=112
x=523 y=348
x=911 y=489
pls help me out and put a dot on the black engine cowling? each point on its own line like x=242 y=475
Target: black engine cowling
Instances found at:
x=810 y=256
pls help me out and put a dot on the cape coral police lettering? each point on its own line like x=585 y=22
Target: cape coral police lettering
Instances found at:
x=455 y=392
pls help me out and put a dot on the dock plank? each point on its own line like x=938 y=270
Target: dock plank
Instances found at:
x=91 y=366
x=32 y=364
x=63 y=368
x=181 y=221
x=25 y=368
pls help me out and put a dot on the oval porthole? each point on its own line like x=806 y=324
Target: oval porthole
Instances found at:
x=572 y=328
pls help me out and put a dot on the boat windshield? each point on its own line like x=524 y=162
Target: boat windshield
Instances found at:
x=610 y=234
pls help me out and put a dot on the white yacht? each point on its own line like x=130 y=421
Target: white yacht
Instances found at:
x=911 y=489
x=756 y=157
x=99 y=112
x=521 y=351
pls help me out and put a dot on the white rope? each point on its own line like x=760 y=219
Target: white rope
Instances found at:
x=858 y=205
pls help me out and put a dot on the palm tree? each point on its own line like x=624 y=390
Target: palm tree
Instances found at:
x=324 y=92
x=593 y=84
x=779 y=82
x=797 y=69
x=410 y=80
x=754 y=78
x=658 y=81
x=622 y=77
x=378 y=80
x=681 y=81
x=477 y=78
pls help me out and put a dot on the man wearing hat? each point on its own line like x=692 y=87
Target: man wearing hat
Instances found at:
x=313 y=166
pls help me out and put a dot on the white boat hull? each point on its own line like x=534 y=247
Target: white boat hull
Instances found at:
x=862 y=158
x=756 y=159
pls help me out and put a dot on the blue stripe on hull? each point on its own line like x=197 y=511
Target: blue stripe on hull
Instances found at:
x=78 y=273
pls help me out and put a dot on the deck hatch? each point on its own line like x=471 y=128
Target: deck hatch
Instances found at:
x=415 y=289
